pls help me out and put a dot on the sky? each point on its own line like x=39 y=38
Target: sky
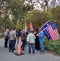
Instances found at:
x=38 y=6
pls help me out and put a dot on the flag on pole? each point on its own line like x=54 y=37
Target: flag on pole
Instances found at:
x=52 y=28
x=31 y=26
x=25 y=27
x=45 y=30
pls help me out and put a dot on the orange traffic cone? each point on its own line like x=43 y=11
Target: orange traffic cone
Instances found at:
x=19 y=51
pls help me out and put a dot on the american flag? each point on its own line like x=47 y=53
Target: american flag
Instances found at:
x=52 y=28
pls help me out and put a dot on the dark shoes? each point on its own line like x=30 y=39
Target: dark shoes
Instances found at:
x=5 y=47
x=11 y=51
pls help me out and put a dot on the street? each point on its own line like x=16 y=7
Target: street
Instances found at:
x=6 y=56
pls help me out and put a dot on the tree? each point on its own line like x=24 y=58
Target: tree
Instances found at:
x=53 y=3
x=56 y=13
x=37 y=18
x=46 y=3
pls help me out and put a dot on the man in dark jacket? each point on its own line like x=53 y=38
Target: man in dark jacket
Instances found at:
x=6 y=37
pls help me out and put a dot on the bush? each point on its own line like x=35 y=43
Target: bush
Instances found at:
x=53 y=46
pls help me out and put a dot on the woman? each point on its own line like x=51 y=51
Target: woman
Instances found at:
x=37 y=44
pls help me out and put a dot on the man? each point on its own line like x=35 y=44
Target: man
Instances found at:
x=24 y=36
x=6 y=35
x=12 y=41
x=41 y=40
x=31 y=41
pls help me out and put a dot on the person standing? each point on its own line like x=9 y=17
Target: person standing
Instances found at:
x=12 y=41
x=41 y=40
x=23 y=36
x=31 y=41
x=37 y=44
x=6 y=37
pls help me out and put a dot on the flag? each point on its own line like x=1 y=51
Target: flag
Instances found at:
x=31 y=26
x=45 y=25
x=45 y=30
x=25 y=27
x=52 y=28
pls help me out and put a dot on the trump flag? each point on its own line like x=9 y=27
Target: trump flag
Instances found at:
x=45 y=30
x=52 y=28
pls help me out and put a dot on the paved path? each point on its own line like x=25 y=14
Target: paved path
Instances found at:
x=6 y=56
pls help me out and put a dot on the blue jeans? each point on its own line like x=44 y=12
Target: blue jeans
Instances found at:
x=11 y=45
x=14 y=44
x=6 y=42
x=23 y=45
x=42 y=47
x=31 y=45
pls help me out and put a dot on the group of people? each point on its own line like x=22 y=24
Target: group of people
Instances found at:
x=34 y=39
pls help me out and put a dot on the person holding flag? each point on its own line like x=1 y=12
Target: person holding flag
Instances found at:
x=41 y=40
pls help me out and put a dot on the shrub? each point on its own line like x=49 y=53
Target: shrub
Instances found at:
x=53 y=46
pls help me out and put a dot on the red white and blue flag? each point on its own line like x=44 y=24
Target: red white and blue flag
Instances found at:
x=31 y=26
x=52 y=28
